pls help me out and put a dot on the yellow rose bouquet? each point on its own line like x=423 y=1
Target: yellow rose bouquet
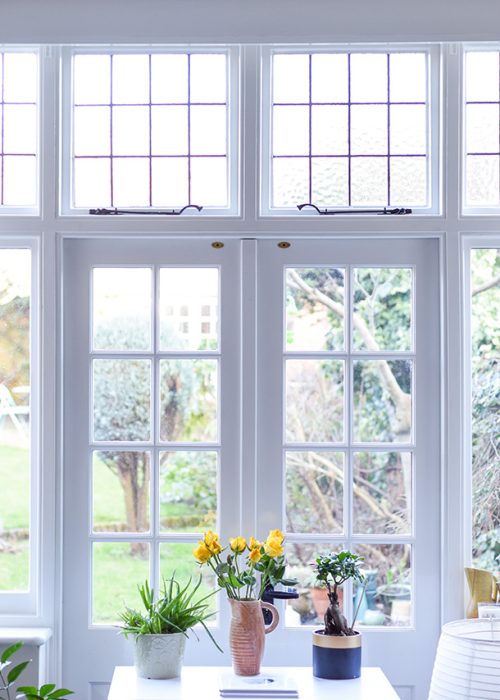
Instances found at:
x=248 y=567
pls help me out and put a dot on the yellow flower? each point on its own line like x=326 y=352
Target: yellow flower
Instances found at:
x=272 y=547
x=255 y=555
x=254 y=544
x=276 y=533
x=211 y=542
x=238 y=544
x=202 y=553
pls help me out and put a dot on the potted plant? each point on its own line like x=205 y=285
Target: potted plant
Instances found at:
x=9 y=675
x=160 y=632
x=337 y=647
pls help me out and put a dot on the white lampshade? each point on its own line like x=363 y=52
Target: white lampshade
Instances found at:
x=467 y=662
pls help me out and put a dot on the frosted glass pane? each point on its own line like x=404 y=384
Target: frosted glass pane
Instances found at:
x=208 y=130
x=208 y=78
x=408 y=129
x=91 y=131
x=382 y=493
x=408 y=77
x=291 y=78
x=482 y=129
x=19 y=129
x=92 y=79
x=329 y=78
x=121 y=308
x=382 y=309
x=290 y=131
x=116 y=476
x=329 y=130
x=189 y=308
x=20 y=77
x=368 y=129
x=92 y=182
x=482 y=184
x=330 y=182
x=290 y=181
x=314 y=401
x=131 y=182
x=169 y=130
x=121 y=392
x=209 y=181
x=188 y=491
x=188 y=400
x=409 y=181
x=382 y=414
x=130 y=131
x=131 y=79
x=20 y=181
x=170 y=182
x=369 y=77
x=315 y=308
x=169 y=80
x=482 y=70
x=368 y=181
x=321 y=474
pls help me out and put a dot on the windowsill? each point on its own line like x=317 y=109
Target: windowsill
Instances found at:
x=34 y=636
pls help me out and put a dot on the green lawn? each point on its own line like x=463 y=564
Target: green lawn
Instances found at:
x=14 y=487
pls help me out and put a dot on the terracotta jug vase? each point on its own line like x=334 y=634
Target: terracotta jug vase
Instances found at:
x=482 y=588
x=247 y=634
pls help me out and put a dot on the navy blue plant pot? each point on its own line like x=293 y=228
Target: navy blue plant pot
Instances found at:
x=336 y=658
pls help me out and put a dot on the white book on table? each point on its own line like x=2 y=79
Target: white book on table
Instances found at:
x=265 y=685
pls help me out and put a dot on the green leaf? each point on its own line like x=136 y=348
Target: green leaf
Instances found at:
x=9 y=651
x=62 y=693
x=15 y=672
x=27 y=689
x=47 y=688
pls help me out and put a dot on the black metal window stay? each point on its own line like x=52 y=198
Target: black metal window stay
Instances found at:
x=156 y=212
x=332 y=212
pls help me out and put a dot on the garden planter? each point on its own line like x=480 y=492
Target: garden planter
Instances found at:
x=336 y=657
x=159 y=656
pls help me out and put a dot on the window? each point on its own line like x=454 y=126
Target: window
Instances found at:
x=18 y=130
x=350 y=130
x=151 y=130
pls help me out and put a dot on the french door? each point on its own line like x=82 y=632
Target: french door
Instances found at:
x=243 y=388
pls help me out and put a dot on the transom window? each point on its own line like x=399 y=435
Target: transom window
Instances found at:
x=18 y=129
x=350 y=129
x=150 y=130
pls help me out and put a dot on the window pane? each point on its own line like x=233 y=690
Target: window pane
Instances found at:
x=485 y=342
x=382 y=401
x=121 y=484
x=122 y=398
x=382 y=493
x=338 y=105
x=314 y=401
x=18 y=129
x=314 y=492
x=186 y=296
x=15 y=305
x=177 y=559
x=387 y=599
x=188 y=400
x=117 y=568
x=481 y=76
x=161 y=106
x=188 y=491
x=382 y=309
x=315 y=308
x=121 y=308
x=483 y=185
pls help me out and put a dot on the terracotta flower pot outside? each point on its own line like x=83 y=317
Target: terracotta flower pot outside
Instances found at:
x=247 y=634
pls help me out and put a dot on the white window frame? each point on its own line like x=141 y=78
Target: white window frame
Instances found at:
x=433 y=121
x=233 y=123
x=15 y=210
x=19 y=602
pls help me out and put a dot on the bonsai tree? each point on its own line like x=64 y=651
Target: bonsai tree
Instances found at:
x=9 y=675
x=333 y=570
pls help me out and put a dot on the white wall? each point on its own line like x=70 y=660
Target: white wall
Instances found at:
x=163 y=21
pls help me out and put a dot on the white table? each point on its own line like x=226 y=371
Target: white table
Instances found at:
x=201 y=683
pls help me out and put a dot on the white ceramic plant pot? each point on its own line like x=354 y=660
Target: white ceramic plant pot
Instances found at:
x=159 y=655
